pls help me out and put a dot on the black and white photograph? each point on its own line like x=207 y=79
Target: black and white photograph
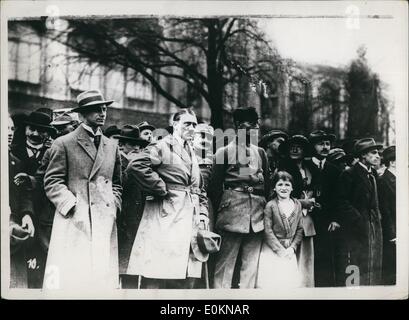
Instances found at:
x=232 y=149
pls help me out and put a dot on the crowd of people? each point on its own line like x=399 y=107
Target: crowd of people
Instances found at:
x=180 y=207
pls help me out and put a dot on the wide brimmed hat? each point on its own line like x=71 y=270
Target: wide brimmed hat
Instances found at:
x=245 y=114
x=270 y=136
x=40 y=120
x=62 y=120
x=295 y=139
x=145 y=125
x=112 y=130
x=365 y=145
x=89 y=99
x=336 y=154
x=389 y=153
x=320 y=135
x=131 y=133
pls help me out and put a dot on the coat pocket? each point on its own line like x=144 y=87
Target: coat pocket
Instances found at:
x=167 y=207
x=224 y=205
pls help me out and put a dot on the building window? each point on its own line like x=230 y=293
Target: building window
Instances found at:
x=85 y=76
x=25 y=60
x=137 y=87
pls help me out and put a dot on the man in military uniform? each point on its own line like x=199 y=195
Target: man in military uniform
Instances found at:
x=239 y=188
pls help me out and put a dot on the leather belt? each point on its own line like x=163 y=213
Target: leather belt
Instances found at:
x=181 y=187
x=246 y=189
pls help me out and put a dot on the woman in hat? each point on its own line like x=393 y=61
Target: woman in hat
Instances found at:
x=283 y=233
x=295 y=150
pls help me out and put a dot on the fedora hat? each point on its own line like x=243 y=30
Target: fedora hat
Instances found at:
x=62 y=120
x=131 y=134
x=112 y=130
x=320 y=135
x=270 y=136
x=90 y=98
x=389 y=154
x=145 y=125
x=245 y=114
x=208 y=242
x=40 y=120
x=295 y=139
x=336 y=154
x=365 y=145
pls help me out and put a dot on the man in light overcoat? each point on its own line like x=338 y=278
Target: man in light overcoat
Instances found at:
x=83 y=181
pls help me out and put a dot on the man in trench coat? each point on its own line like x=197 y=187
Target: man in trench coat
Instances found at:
x=360 y=218
x=165 y=250
x=83 y=181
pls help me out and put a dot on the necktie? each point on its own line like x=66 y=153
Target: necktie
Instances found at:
x=34 y=151
x=97 y=140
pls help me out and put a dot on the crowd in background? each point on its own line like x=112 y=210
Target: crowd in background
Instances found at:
x=130 y=208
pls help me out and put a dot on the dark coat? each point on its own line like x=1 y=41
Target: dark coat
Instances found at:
x=133 y=201
x=360 y=220
x=387 y=206
x=29 y=165
x=20 y=204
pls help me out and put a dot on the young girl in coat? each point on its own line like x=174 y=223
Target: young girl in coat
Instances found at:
x=283 y=233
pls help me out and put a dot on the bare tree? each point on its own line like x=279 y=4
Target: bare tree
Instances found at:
x=206 y=55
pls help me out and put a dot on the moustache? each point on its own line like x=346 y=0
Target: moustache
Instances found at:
x=35 y=138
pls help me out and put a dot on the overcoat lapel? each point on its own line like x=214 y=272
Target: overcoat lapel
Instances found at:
x=177 y=148
x=363 y=174
x=85 y=142
x=100 y=156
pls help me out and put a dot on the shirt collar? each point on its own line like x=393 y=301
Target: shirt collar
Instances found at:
x=317 y=161
x=32 y=146
x=89 y=129
x=180 y=140
x=365 y=167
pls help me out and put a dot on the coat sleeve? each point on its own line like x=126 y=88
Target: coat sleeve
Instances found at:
x=386 y=206
x=269 y=236
x=55 y=179
x=141 y=169
x=346 y=213
x=117 y=180
x=299 y=233
x=267 y=174
x=216 y=181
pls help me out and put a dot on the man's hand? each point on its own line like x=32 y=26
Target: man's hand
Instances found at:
x=203 y=222
x=289 y=252
x=27 y=224
x=333 y=226
x=22 y=179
